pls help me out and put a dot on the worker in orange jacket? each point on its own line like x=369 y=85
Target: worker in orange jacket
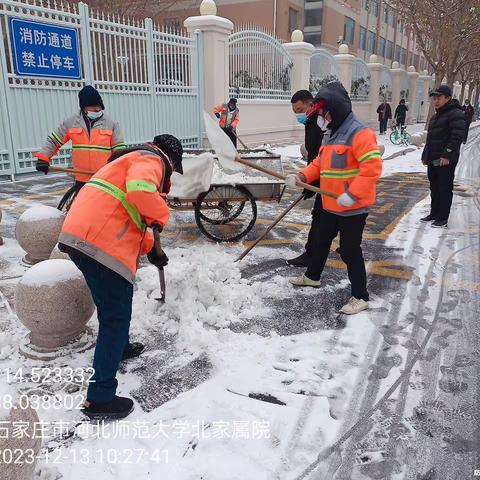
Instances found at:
x=229 y=116
x=105 y=233
x=349 y=165
x=94 y=137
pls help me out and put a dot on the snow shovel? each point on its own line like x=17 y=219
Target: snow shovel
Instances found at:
x=264 y=234
x=161 y=271
x=70 y=170
x=230 y=160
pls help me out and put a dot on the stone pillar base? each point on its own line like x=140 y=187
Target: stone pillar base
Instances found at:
x=82 y=343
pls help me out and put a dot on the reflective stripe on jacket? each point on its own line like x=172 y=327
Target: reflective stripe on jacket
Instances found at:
x=91 y=151
x=223 y=111
x=109 y=217
x=349 y=162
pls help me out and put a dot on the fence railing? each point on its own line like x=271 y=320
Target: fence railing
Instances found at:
x=260 y=67
x=148 y=76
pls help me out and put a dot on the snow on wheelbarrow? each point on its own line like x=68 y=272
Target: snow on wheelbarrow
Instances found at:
x=224 y=201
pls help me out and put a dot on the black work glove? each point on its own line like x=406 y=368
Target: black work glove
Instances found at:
x=154 y=258
x=42 y=166
x=217 y=115
x=308 y=194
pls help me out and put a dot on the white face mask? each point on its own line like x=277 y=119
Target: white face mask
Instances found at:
x=322 y=122
x=94 y=115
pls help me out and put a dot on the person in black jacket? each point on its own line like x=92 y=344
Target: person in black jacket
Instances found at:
x=384 y=115
x=401 y=113
x=469 y=114
x=446 y=132
x=302 y=103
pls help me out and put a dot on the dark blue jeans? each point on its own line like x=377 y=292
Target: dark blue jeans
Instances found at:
x=113 y=297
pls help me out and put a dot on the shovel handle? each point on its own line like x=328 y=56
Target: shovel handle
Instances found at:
x=70 y=170
x=272 y=173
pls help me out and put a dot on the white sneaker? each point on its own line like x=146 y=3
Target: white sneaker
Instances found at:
x=303 y=281
x=354 y=305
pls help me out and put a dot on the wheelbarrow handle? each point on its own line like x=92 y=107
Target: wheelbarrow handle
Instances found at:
x=70 y=170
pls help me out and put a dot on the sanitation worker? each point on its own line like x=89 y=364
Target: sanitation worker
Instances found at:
x=229 y=116
x=94 y=137
x=105 y=233
x=349 y=165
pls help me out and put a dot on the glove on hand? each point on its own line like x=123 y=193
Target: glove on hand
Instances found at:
x=345 y=200
x=42 y=166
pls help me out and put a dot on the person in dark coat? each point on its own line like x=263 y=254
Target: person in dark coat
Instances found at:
x=469 y=113
x=384 y=115
x=302 y=103
x=446 y=132
x=401 y=113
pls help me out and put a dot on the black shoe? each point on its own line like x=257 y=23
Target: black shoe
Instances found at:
x=133 y=350
x=117 y=408
x=300 y=261
x=439 y=223
x=428 y=218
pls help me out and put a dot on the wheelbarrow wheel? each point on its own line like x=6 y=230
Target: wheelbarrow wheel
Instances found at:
x=225 y=213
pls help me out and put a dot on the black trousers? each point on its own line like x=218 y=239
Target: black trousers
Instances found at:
x=383 y=125
x=467 y=128
x=441 y=189
x=351 y=230
x=231 y=135
x=316 y=212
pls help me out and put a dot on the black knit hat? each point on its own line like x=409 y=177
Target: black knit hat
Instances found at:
x=89 y=97
x=173 y=148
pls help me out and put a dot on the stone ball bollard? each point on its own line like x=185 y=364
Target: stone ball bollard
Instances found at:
x=57 y=254
x=416 y=139
x=37 y=232
x=26 y=442
x=53 y=301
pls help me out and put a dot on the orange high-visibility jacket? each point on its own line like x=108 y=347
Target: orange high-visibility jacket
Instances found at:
x=89 y=152
x=223 y=111
x=349 y=162
x=108 y=219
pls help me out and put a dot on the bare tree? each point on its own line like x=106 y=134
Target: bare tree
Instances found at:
x=447 y=33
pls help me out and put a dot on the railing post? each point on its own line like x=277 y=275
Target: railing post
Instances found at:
x=86 y=41
x=151 y=72
x=7 y=108
x=197 y=35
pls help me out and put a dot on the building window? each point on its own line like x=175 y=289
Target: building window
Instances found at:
x=349 y=30
x=389 y=50
x=403 y=57
x=313 y=17
x=362 y=41
x=292 y=19
x=381 y=47
x=397 y=53
x=385 y=14
x=415 y=62
x=392 y=18
x=364 y=4
x=374 y=7
x=402 y=25
x=371 y=37
x=313 y=38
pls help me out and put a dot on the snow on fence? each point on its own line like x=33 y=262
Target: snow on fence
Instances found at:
x=260 y=67
x=148 y=77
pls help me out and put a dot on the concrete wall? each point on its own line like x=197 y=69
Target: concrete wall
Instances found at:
x=265 y=121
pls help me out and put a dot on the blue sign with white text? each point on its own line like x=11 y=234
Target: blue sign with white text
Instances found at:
x=44 y=50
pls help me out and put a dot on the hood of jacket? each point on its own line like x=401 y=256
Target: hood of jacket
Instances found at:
x=337 y=102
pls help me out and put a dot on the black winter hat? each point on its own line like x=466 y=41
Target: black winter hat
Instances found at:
x=88 y=97
x=442 y=90
x=173 y=148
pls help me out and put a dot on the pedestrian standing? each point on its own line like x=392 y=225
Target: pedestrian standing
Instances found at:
x=384 y=111
x=302 y=106
x=401 y=114
x=94 y=137
x=229 y=117
x=104 y=233
x=349 y=165
x=469 y=114
x=446 y=132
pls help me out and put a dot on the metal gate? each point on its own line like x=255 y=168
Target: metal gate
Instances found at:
x=148 y=77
